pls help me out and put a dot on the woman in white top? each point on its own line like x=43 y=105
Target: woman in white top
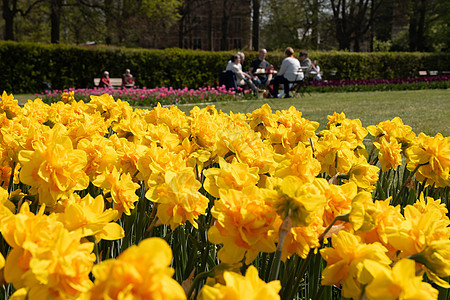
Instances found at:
x=242 y=80
x=289 y=71
x=315 y=71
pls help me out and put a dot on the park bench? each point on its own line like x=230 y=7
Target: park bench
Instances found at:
x=115 y=82
x=430 y=73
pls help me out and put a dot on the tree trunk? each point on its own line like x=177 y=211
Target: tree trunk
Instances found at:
x=109 y=18
x=315 y=36
x=413 y=27
x=8 y=16
x=55 y=18
x=255 y=20
x=210 y=27
x=421 y=26
x=225 y=21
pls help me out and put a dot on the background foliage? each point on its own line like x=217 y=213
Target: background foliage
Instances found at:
x=402 y=25
x=26 y=65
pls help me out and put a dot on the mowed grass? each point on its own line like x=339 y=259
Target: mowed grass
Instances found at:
x=425 y=111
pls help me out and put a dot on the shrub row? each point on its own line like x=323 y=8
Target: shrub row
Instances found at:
x=26 y=65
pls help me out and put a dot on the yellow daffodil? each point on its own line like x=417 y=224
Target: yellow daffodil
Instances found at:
x=302 y=199
x=133 y=128
x=339 y=201
x=9 y=106
x=400 y=282
x=260 y=119
x=86 y=127
x=299 y=162
x=140 y=272
x=5 y=203
x=46 y=259
x=111 y=110
x=394 y=129
x=162 y=135
x=363 y=174
x=334 y=155
x=248 y=287
x=128 y=153
x=345 y=262
x=68 y=97
x=205 y=124
x=301 y=240
x=432 y=156
x=232 y=175
x=12 y=135
x=36 y=111
x=88 y=216
x=179 y=199
x=156 y=161
x=287 y=129
x=100 y=153
x=54 y=169
x=247 y=146
x=173 y=117
x=335 y=120
x=424 y=204
x=363 y=215
x=418 y=230
x=435 y=256
x=381 y=215
x=349 y=131
x=245 y=225
x=121 y=188
x=390 y=154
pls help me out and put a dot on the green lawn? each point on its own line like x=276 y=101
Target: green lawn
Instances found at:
x=425 y=111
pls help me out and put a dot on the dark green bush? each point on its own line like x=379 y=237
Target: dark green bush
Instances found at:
x=26 y=65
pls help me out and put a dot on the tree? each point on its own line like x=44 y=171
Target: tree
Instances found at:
x=55 y=19
x=161 y=14
x=285 y=24
x=10 y=9
x=352 y=20
x=256 y=7
x=440 y=26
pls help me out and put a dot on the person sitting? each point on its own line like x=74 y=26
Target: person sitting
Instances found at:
x=104 y=80
x=242 y=80
x=290 y=71
x=260 y=63
x=305 y=62
x=127 y=79
x=315 y=71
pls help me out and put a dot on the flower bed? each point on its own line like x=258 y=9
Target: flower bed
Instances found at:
x=169 y=96
x=102 y=201
x=425 y=82
x=151 y=97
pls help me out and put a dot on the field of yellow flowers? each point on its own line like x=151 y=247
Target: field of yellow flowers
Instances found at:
x=103 y=201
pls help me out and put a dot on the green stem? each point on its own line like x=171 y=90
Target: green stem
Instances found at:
x=300 y=274
x=196 y=281
x=394 y=201
x=337 y=218
x=11 y=180
x=319 y=292
x=284 y=230
x=275 y=270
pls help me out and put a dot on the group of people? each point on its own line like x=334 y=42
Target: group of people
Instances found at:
x=127 y=79
x=291 y=70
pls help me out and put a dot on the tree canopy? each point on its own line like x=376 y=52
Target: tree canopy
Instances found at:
x=354 y=25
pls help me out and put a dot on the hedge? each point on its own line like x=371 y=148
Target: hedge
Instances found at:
x=26 y=65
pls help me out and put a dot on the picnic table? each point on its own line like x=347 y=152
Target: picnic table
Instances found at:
x=265 y=71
